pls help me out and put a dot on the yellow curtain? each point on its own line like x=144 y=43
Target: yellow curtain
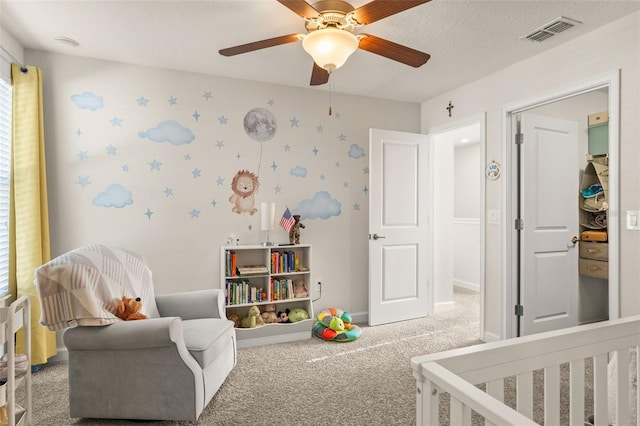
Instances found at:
x=29 y=218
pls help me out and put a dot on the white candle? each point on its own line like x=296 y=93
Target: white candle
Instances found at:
x=267 y=216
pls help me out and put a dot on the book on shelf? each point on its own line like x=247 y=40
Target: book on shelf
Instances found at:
x=284 y=262
x=252 y=270
x=242 y=292
x=281 y=289
x=230 y=263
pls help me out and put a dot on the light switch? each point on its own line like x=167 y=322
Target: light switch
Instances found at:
x=633 y=220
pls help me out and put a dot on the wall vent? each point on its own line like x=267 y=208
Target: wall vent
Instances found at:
x=550 y=29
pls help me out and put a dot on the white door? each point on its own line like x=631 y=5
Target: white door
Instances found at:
x=549 y=185
x=398 y=239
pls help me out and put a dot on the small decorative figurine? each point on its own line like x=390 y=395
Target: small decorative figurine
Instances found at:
x=294 y=234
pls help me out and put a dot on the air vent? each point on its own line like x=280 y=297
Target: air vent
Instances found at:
x=550 y=29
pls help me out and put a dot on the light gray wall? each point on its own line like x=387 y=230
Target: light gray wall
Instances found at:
x=611 y=47
x=179 y=212
x=467 y=169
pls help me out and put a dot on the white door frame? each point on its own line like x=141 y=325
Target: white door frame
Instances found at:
x=611 y=81
x=431 y=133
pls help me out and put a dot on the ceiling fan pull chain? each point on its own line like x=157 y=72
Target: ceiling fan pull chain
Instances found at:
x=330 y=91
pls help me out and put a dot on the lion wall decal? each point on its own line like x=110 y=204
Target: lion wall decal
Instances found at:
x=244 y=185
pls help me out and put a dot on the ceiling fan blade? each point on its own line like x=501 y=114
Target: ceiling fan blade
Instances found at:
x=379 y=9
x=257 y=45
x=319 y=75
x=391 y=50
x=300 y=7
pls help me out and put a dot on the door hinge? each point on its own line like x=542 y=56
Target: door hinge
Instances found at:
x=519 y=224
x=519 y=310
x=519 y=138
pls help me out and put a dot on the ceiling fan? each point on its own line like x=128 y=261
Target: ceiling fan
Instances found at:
x=330 y=37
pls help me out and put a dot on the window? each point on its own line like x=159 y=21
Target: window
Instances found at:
x=5 y=179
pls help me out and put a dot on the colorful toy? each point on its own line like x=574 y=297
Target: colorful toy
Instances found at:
x=251 y=320
x=283 y=316
x=128 y=309
x=335 y=325
x=298 y=314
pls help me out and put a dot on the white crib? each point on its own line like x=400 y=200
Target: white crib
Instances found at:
x=463 y=373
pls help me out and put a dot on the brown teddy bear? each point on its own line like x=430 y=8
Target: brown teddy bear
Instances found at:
x=235 y=317
x=129 y=309
x=269 y=314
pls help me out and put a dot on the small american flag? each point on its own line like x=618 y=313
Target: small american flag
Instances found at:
x=287 y=220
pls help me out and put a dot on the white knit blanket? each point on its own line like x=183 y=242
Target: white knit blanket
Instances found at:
x=84 y=286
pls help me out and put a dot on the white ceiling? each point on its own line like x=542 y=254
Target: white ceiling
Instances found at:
x=466 y=39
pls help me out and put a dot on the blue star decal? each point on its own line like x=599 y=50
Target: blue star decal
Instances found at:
x=337 y=164
x=187 y=157
x=345 y=184
x=366 y=170
x=111 y=150
x=83 y=181
x=270 y=102
x=213 y=203
x=220 y=144
x=155 y=165
x=365 y=189
x=196 y=173
x=148 y=213
x=342 y=137
x=116 y=122
x=196 y=115
x=223 y=120
x=207 y=95
x=125 y=168
x=356 y=206
x=315 y=151
x=168 y=192
x=142 y=101
x=319 y=128
x=220 y=181
x=287 y=148
x=337 y=115
x=173 y=100
x=322 y=177
x=82 y=154
x=274 y=166
x=294 y=122
x=194 y=213
x=78 y=132
x=277 y=189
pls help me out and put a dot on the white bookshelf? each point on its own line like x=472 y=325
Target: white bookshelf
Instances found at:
x=260 y=289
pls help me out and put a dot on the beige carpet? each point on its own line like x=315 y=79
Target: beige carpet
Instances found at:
x=312 y=382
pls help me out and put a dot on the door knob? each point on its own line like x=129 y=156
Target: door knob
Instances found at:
x=574 y=240
x=377 y=237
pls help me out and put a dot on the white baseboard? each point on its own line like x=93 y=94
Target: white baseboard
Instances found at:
x=360 y=317
x=490 y=337
x=466 y=284
x=444 y=307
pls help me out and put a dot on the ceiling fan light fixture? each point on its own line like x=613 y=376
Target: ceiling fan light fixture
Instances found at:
x=330 y=47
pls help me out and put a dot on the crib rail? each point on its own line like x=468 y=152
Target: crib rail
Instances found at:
x=457 y=372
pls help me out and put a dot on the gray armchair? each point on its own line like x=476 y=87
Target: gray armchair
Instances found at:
x=167 y=367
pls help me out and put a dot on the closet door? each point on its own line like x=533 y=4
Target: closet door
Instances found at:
x=549 y=259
